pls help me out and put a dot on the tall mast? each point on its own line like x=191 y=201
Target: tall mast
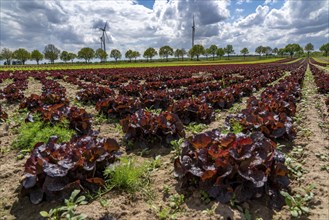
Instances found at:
x=193 y=31
x=104 y=41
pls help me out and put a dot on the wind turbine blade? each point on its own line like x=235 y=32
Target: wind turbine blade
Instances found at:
x=105 y=26
x=108 y=39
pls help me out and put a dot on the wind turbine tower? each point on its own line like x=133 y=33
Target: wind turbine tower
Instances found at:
x=193 y=31
x=103 y=37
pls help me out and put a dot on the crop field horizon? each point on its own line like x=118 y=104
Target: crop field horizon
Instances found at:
x=133 y=64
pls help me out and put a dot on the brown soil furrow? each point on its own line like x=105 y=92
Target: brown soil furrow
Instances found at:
x=34 y=87
x=71 y=90
x=315 y=142
x=5 y=83
x=318 y=144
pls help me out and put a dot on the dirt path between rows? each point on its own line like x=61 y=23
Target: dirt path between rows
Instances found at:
x=34 y=87
x=315 y=143
x=318 y=144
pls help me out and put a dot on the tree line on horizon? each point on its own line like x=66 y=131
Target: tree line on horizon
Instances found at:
x=52 y=53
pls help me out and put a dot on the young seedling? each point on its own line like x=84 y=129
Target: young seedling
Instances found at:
x=210 y=211
x=173 y=209
x=235 y=127
x=205 y=197
x=325 y=168
x=118 y=128
x=294 y=167
x=163 y=213
x=166 y=189
x=154 y=164
x=235 y=108
x=322 y=157
x=176 y=201
x=176 y=147
x=195 y=128
x=154 y=111
x=298 y=203
x=68 y=210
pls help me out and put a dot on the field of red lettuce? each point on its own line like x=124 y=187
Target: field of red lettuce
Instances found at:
x=263 y=133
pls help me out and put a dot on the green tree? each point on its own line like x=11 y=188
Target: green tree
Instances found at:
x=72 y=56
x=275 y=50
x=37 y=56
x=212 y=50
x=101 y=54
x=197 y=50
x=166 y=51
x=264 y=50
x=22 y=55
x=244 y=51
x=51 y=52
x=325 y=48
x=149 y=53
x=281 y=52
x=259 y=50
x=228 y=50
x=7 y=55
x=86 y=53
x=136 y=54
x=177 y=53
x=308 y=48
x=206 y=53
x=183 y=53
x=129 y=55
x=116 y=54
x=292 y=49
x=180 y=53
x=220 y=52
x=267 y=50
x=65 y=56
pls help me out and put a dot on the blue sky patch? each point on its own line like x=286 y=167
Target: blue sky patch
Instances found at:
x=147 y=3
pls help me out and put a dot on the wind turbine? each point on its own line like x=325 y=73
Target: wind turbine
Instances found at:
x=104 y=37
x=193 y=31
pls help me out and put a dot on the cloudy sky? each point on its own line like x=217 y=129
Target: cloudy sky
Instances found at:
x=138 y=24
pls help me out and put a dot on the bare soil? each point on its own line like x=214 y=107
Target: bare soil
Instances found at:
x=315 y=144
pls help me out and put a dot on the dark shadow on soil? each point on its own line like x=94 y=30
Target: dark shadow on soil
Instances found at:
x=256 y=207
x=23 y=209
x=148 y=151
x=287 y=145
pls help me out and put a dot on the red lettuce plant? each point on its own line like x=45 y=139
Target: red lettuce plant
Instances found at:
x=228 y=165
x=321 y=79
x=92 y=93
x=272 y=113
x=79 y=119
x=120 y=106
x=54 y=170
x=193 y=110
x=156 y=99
x=14 y=91
x=144 y=126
